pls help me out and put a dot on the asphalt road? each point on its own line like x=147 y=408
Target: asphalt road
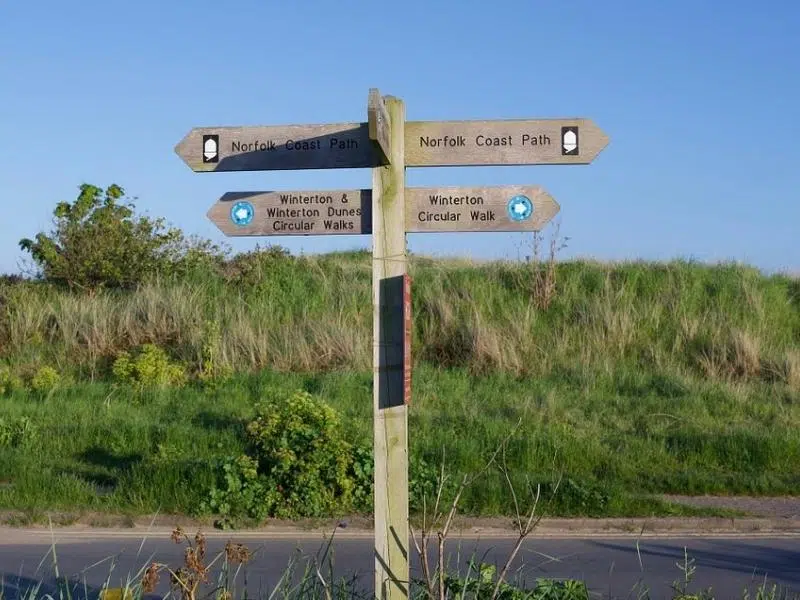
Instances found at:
x=609 y=565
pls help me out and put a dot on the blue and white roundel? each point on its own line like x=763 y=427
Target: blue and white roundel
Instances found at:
x=519 y=208
x=242 y=213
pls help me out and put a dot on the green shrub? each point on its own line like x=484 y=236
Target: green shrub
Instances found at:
x=241 y=493
x=299 y=445
x=98 y=242
x=151 y=367
x=251 y=268
x=45 y=379
x=299 y=464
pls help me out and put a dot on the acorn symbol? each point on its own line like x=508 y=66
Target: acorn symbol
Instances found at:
x=210 y=148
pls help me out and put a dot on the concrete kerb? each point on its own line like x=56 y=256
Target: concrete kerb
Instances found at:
x=547 y=528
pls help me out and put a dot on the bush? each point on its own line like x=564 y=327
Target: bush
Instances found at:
x=299 y=446
x=299 y=464
x=151 y=367
x=251 y=268
x=99 y=242
x=46 y=379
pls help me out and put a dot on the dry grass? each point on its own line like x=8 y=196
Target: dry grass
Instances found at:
x=314 y=314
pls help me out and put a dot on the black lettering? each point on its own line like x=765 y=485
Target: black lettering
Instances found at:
x=334 y=211
x=292 y=226
x=297 y=199
x=349 y=144
x=458 y=141
x=237 y=146
x=482 y=215
x=304 y=145
x=340 y=225
x=292 y=213
x=483 y=140
x=425 y=216
x=535 y=140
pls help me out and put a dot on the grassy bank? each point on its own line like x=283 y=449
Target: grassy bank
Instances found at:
x=629 y=379
x=719 y=323
x=95 y=448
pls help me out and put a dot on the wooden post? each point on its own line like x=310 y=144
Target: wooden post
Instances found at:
x=390 y=416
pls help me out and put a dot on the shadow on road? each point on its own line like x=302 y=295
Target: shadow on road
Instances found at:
x=17 y=587
x=759 y=561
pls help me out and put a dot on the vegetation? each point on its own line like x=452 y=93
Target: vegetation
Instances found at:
x=158 y=373
x=204 y=576
x=99 y=242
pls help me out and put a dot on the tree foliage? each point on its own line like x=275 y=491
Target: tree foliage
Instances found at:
x=99 y=242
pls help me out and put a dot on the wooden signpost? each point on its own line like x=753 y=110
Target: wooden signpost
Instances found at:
x=388 y=144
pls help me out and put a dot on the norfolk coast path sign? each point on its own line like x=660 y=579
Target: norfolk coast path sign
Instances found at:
x=349 y=212
x=387 y=144
x=277 y=148
x=360 y=145
x=503 y=142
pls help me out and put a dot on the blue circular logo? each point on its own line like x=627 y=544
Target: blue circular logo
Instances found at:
x=242 y=213
x=520 y=208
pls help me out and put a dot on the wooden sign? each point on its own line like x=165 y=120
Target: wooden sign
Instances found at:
x=331 y=212
x=378 y=125
x=407 y=330
x=274 y=148
x=504 y=208
x=504 y=142
x=387 y=144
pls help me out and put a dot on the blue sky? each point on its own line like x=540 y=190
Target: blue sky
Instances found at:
x=699 y=99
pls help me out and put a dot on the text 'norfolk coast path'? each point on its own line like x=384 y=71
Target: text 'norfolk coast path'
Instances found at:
x=426 y=143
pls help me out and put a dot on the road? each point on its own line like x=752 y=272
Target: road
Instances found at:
x=609 y=565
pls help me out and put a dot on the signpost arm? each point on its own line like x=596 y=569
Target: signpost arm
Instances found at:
x=390 y=412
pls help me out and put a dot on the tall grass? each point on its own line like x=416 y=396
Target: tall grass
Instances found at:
x=632 y=378
x=725 y=323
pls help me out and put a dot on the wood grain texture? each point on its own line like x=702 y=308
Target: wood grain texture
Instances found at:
x=390 y=413
x=362 y=145
x=499 y=142
x=475 y=209
x=319 y=212
x=281 y=147
x=378 y=126
x=408 y=330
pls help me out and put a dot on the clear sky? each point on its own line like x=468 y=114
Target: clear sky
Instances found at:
x=700 y=100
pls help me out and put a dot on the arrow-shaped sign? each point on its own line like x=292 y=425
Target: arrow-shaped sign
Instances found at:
x=275 y=148
x=503 y=208
x=361 y=145
x=502 y=142
x=349 y=212
x=328 y=212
